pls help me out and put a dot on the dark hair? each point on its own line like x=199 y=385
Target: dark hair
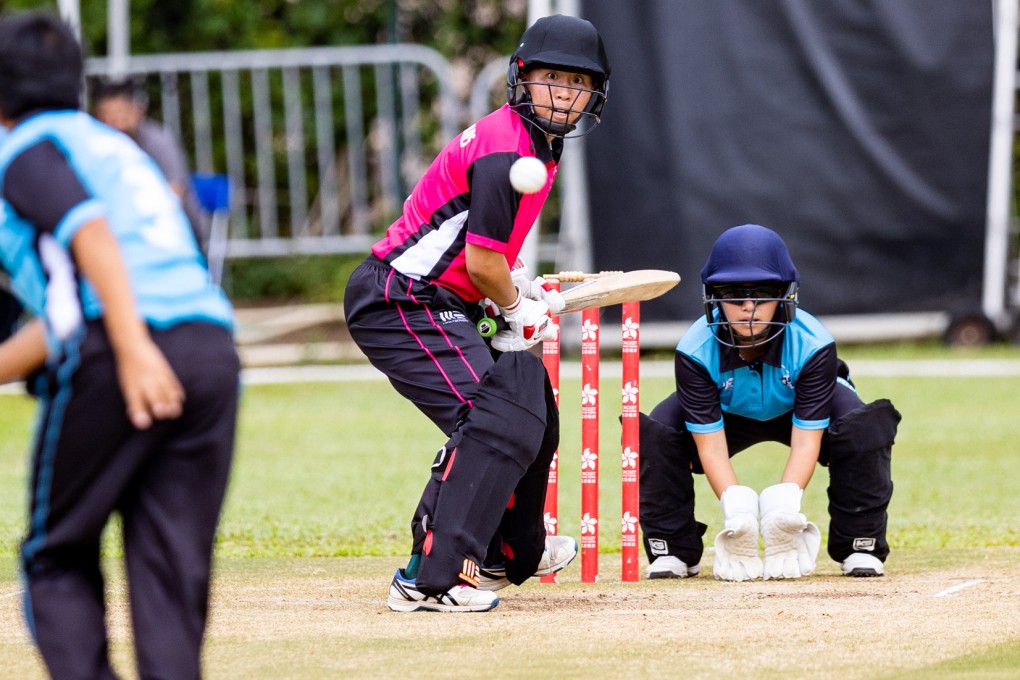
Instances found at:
x=41 y=64
x=127 y=88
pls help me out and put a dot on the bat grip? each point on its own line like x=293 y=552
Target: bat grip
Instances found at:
x=488 y=326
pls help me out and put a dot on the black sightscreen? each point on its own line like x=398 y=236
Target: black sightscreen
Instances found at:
x=859 y=130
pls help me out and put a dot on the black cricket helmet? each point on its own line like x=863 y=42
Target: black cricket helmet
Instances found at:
x=749 y=263
x=564 y=43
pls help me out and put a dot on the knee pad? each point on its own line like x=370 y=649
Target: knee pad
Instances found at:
x=872 y=427
x=659 y=440
x=511 y=412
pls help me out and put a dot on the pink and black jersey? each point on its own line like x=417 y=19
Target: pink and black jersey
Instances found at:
x=465 y=197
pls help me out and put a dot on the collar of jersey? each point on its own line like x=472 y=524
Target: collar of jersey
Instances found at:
x=545 y=150
x=730 y=360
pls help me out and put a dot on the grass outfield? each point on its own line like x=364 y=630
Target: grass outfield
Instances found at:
x=333 y=470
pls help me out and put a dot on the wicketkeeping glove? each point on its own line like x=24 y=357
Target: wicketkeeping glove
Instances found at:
x=791 y=542
x=537 y=288
x=736 y=546
x=529 y=323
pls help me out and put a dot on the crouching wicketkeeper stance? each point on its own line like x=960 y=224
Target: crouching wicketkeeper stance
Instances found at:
x=412 y=308
x=756 y=369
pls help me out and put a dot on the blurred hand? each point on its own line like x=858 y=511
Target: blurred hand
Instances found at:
x=150 y=387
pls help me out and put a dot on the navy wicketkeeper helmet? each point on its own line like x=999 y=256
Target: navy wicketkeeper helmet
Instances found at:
x=749 y=262
x=564 y=43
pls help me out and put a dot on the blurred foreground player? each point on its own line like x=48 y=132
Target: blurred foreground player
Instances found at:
x=755 y=368
x=412 y=307
x=131 y=356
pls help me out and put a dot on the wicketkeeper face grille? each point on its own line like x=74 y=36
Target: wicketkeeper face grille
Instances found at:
x=749 y=315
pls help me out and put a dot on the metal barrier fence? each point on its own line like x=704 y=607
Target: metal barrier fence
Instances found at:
x=320 y=144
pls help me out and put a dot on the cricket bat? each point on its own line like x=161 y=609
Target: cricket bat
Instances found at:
x=603 y=290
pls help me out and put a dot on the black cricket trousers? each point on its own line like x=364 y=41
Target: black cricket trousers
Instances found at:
x=166 y=482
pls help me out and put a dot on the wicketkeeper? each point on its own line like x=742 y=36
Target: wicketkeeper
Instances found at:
x=756 y=368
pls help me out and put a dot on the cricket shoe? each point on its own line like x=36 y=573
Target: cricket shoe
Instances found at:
x=559 y=552
x=668 y=566
x=405 y=597
x=862 y=564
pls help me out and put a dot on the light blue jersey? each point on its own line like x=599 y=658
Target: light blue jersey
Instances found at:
x=168 y=274
x=767 y=390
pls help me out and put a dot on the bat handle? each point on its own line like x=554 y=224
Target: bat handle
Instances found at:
x=488 y=326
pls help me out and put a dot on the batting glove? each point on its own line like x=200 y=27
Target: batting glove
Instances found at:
x=537 y=288
x=529 y=323
x=791 y=542
x=736 y=546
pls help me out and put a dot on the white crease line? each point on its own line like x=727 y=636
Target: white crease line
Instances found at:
x=957 y=588
x=14 y=594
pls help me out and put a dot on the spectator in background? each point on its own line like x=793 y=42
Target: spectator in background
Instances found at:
x=123 y=105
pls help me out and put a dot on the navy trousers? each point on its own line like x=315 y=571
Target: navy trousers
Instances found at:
x=167 y=483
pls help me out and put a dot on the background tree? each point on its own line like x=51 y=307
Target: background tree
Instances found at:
x=469 y=33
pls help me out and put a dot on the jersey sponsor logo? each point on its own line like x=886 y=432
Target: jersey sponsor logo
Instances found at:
x=727 y=385
x=448 y=316
x=786 y=379
x=469 y=572
x=867 y=544
x=468 y=136
x=658 y=546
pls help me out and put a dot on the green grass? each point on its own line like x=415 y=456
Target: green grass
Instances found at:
x=329 y=469
x=932 y=348
x=335 y=469
x=998 y=663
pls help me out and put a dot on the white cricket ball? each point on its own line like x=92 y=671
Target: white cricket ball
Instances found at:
x=528 y=175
